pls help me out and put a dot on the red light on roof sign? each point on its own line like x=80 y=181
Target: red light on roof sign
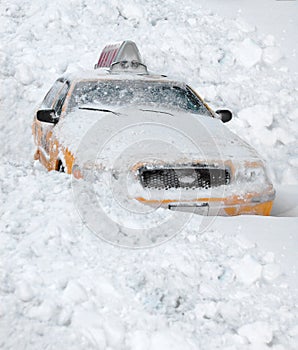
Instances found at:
x=121 y=51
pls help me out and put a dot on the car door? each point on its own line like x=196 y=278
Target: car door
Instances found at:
x=43 y=131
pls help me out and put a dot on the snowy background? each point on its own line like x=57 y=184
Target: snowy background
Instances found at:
x=233 y=286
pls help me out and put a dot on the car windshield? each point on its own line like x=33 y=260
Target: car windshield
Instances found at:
x=120 y=93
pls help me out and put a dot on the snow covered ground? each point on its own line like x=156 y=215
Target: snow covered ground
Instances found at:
x=230 y=286
x=271 y=17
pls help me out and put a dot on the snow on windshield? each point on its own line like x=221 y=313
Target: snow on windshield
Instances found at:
x=120 y=93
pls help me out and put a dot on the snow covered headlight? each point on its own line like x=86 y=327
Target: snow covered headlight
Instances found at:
x=249 y=173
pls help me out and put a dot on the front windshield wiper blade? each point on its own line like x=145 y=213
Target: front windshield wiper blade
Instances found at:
x=152 y=110
x=98 y=109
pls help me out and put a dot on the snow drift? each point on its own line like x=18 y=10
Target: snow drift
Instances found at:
x=60 y=286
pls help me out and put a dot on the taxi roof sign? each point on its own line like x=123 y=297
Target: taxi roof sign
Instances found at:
x=118 y=52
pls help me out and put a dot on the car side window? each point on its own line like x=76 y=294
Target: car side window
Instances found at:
x=61 y=98
x=51 y=95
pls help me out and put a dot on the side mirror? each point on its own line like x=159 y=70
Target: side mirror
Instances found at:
x=47 y=116
x=224 y=114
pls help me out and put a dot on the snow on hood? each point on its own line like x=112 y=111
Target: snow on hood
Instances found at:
x=146 y=134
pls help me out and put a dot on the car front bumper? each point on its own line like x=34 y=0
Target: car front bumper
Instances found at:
x=249 y=205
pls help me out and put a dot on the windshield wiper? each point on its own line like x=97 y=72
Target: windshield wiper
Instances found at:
x=154 y=111
x=98 y=109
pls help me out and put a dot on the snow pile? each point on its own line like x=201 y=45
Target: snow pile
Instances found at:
x=258 y=116
x=247 y=53
x=257 y=333
x=248 y=270
x=227 y=61
x=62 y=287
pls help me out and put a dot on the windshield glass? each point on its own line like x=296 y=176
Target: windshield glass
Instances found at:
x=121 y=93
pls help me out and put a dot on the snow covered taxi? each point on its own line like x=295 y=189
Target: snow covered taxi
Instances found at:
x=227 y=177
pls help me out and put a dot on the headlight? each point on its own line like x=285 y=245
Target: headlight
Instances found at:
x=249 y=173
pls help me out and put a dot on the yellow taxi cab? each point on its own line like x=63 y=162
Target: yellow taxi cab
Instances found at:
x=120 y=85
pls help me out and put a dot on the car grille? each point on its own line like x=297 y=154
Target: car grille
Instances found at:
x=191 y=177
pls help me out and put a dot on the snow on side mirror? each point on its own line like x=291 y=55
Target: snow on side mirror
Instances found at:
x=224 y=114
x=47 y=116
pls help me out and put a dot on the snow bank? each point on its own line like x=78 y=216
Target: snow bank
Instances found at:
x=247 y=53
x=257 y=333
x=60 y=286
x=229 y=63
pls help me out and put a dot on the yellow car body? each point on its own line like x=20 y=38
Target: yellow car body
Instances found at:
x=57 y=155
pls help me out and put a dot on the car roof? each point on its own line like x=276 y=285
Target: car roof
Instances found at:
x=105 y=74
x=120 y=61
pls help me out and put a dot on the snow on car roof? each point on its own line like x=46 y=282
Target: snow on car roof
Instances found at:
x=105 y=74
x=119 y=61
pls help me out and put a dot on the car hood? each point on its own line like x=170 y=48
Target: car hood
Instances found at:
x=136 y=135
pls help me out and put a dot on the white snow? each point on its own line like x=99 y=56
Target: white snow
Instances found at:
x=275 y=19
x=271 y=271
x=228 y=283
x=271 y=55
x=247 y=53
x=258 y=116
x=247 y=270
x=257 y=332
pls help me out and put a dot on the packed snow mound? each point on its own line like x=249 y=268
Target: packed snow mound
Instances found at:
x=61 y=287
x=229 y=63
